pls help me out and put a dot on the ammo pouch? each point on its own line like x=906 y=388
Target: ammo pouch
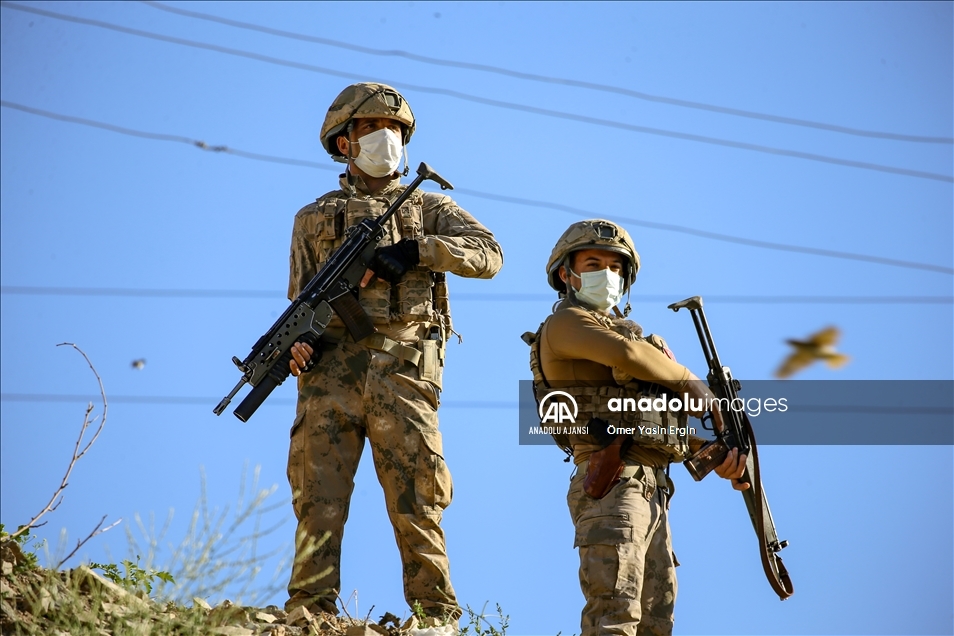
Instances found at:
x=427 y=355
x=415 y=298
x=662 y=430
x=431 y=365
x=594 y=402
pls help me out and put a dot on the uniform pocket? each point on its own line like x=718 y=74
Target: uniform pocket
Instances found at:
x=605 y=530
x=607 y=557
x=432 y=481
x=296 y=461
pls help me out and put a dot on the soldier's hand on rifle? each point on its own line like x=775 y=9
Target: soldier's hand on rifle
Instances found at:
x=732 y=468
x=699 y=393
x=301 y=358
x=368 y=277
x=391 y=262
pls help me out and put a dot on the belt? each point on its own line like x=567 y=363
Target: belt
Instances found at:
x=403 y=352
x=660 y=480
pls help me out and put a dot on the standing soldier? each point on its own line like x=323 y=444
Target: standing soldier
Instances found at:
x=385 y=388
x=619 y=495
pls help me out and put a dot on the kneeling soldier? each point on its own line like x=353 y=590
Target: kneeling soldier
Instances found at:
x=619 y=495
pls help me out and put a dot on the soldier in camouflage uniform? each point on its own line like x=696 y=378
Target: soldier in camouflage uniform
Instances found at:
x=627 y=566
x=385 y=388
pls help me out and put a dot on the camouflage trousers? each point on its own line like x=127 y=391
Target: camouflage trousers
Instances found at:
x=627 y=567
x=357 y=393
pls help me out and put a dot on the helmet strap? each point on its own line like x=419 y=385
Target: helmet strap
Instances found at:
x=629 y=289
x=570 y=289
x=407 y=168
x=351 y=189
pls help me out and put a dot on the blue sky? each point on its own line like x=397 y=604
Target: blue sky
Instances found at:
x=136 y=247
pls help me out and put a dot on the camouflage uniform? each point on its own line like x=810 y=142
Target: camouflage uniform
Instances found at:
x=376 y=391
x=627 y=566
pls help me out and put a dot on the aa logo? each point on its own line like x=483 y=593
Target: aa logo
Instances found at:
x=555 y=410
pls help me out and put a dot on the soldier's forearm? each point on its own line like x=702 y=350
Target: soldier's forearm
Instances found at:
x=467 y=256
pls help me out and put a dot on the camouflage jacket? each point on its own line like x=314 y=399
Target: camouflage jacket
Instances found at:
x=448 y=237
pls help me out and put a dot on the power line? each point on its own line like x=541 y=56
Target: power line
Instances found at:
x=728 y=238
x=481 y=297
x=534 y=77
x=668 y=227
x=608 y=123
x=139 y=293
x=162 y=137
x=184 y=400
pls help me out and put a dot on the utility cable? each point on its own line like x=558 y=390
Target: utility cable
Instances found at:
x=546 y=112
x=668 y=227
x=534 y=77
x=445 y=404
x=209 y=401
x=17 y=290
x=162 y=137
x=717 y=236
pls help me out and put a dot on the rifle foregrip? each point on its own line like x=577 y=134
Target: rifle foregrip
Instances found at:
x=276 y=375
x=256 y=396
x=706 y=459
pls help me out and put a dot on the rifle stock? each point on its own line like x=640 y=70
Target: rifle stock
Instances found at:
x=737 y=433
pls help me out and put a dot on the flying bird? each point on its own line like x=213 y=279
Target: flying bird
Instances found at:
x=138 y=364
x=819 y=346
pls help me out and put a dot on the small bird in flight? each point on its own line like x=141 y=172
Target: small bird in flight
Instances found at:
x=138 y=364
x=819 y=346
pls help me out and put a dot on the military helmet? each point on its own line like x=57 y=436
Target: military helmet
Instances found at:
x=592 y=234
x=365 y=99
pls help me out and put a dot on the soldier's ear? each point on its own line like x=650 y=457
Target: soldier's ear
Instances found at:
x=562 y=273
x=342 y=143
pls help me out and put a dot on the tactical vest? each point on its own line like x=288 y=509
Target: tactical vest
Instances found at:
x=422 y=295
x=594 y=401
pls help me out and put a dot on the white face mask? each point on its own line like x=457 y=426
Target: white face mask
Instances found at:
x=600 y=290
x=380 y=152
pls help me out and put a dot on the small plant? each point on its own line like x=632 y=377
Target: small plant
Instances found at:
x=418 y=610
x=477 y=621
x=219 y=555
x=136 y=579
x=23 y=537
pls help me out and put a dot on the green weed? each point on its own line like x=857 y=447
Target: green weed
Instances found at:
x=135 y=579
x=30 y=559
x=483 y=627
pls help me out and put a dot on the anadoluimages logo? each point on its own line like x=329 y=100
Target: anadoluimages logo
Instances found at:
x=558 y=412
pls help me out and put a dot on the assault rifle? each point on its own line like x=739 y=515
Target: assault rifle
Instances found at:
x=737 y=433
x=332 y=291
